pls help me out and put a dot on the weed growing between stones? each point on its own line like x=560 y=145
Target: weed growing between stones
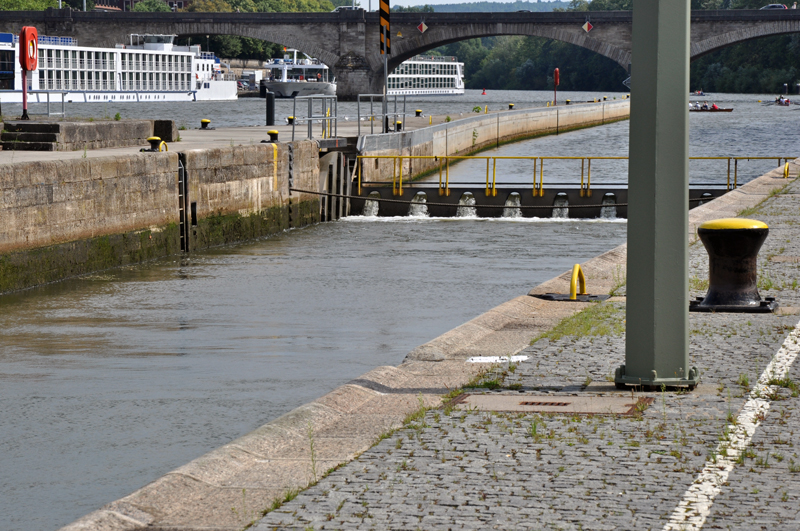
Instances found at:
x=599 y=319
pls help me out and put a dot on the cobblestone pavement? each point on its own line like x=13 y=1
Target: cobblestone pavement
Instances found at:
x=457 y=468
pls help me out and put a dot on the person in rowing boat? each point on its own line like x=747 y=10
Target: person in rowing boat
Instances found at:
x=705 y=106
x=714 y=107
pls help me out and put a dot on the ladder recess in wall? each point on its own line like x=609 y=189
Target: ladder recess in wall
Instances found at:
x=183 y=203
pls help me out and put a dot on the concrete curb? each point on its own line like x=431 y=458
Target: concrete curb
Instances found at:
x=262 y=465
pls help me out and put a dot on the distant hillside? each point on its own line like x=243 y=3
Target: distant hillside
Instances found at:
x=498 y=6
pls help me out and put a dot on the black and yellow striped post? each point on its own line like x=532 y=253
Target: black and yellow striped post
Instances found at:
x=386 y=39
x=386 y=50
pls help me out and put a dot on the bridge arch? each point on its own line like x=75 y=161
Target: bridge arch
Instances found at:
x=405 y=48
x=701 y=47
x=274 y=34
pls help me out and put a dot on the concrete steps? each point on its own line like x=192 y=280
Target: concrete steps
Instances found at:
x=30 y=136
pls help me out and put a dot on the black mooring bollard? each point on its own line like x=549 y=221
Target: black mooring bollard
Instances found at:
x=270 y=108
x=732 y=245
x=273 y=135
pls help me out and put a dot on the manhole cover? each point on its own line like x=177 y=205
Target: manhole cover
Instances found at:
x=580 y=405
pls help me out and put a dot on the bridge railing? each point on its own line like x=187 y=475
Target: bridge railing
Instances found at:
x=372 y=116
x=397 y=162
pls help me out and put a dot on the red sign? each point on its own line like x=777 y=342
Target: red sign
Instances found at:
x=422 y=27
x=587 y=27
x=29 y=48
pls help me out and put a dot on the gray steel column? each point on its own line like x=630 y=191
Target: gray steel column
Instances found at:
x=657 y=343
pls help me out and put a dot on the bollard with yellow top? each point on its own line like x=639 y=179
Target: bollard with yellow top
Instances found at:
x=155 y=145
x=205 y=124
x=732 y=245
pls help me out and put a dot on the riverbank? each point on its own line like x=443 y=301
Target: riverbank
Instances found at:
x=298 y=448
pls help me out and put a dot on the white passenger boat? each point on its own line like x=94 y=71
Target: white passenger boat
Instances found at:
x=149 y=68
x=426 y=75
x=294 y=76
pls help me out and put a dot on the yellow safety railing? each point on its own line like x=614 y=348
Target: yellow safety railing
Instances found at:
x=577 y=277
x=538 y=184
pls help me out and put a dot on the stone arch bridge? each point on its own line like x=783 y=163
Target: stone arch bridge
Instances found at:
x=348 y=41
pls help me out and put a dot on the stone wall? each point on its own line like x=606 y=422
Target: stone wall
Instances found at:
x=64 y=218
x=475 y=133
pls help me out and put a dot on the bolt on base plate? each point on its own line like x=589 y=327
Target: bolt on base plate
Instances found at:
x=654 y=383
x=769 y=304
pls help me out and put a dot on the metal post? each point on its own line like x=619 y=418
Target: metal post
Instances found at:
x=385 y=82
x=657 y=338
x=270 y=99
x=309 y=119
x=24 y=92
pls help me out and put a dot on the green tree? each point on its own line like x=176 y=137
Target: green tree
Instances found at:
x=151 y=6
x=413 y=9
x=338 y=3
x=27 y=5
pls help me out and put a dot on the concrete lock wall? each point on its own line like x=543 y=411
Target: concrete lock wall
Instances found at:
x=469 y=135
x=64 y=218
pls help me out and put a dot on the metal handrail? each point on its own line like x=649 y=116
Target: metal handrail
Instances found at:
x=372 y=115
x=328 y=115
x=538 y=187
x=63 y=94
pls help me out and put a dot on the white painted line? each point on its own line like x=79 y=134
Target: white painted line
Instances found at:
x=496 y=359
x=694 y=508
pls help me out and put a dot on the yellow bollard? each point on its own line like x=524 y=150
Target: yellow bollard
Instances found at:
x=486 y=110
x=577 y=277
x=786 y=171
x=430 y=120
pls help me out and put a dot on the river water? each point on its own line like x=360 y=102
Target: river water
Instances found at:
x=111 y=380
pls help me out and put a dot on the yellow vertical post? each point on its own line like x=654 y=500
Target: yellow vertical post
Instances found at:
x=728 y=187
x=447 y=177
x=589 y=179
x=534 y=177
x=274 y=167
x=487 y=176
x=494 y=177
x=394 y=175
x=541 y=178
x=430 y=120
x=486 y=110
x=582 y=161
x=360 y=162
x=735 y=171
x=400 y=159
x=441 y=190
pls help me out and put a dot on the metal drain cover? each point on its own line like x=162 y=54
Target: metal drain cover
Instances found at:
x=568 y=405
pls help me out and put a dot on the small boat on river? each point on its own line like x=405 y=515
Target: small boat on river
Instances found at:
x=711 y=110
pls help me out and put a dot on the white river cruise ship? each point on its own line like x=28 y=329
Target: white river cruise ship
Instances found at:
x=149 y=68
x=427 y=75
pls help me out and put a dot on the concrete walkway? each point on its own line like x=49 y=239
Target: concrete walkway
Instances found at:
x=720 y=457
x=219 y=137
